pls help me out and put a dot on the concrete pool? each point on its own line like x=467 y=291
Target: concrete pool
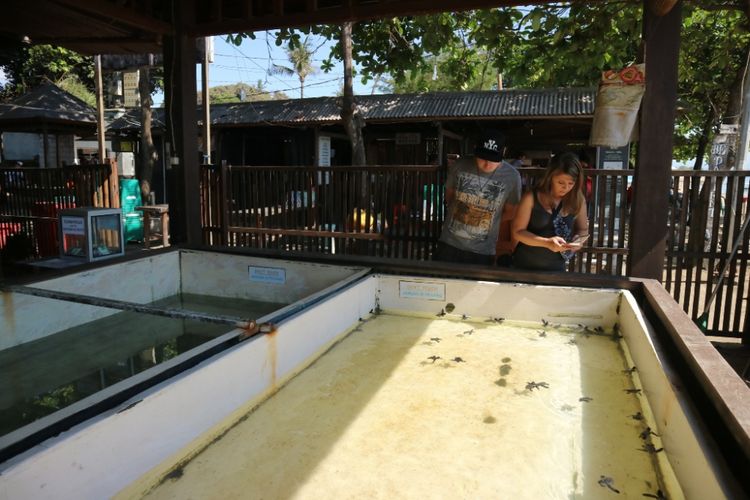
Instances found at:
x=159 y=434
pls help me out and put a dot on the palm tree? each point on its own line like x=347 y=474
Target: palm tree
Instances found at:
x=300 y=58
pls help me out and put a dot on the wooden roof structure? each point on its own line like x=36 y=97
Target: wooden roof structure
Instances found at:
x=171 y=26
x=141 y=26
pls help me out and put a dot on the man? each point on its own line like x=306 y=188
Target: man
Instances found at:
x=480 y=193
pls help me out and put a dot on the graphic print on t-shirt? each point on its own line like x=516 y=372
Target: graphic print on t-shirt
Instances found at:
x=477 y=200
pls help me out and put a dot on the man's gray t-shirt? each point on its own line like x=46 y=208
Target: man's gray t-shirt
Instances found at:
x=472 y=220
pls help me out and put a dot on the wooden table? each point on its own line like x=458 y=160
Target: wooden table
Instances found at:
x=149 y=211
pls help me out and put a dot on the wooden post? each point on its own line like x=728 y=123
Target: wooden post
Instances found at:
x=181 y=96
x=99 y=108
x=206 y=106
x=648 y=230
x=224 y=203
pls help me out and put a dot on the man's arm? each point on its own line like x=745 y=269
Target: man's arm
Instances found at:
x=450 y=195
x=505 y=241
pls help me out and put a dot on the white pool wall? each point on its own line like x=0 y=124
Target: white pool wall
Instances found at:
x=693 y=458
x=24 y=318
x=237 y=276
x=513 y=301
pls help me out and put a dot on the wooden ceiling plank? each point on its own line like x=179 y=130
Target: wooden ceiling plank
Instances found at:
x=130 y=17
x=331 y=15
x=278 y=8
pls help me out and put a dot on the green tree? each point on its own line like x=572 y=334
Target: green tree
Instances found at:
x=27 y=66
x=300 y=57
x=72 y=85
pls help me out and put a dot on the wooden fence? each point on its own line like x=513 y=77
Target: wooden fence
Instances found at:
x=31 y=198
x=397 y=211
x=386 y=211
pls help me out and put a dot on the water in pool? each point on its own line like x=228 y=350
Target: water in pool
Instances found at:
x=408 y=407
x=43 y=376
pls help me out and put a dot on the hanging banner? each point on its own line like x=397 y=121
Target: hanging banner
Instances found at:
x=617 y=103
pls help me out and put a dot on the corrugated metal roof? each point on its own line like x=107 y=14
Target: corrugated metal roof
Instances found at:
x=47 y=104
x=513 y=103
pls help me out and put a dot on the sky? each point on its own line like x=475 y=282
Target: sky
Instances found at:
x=249 y=63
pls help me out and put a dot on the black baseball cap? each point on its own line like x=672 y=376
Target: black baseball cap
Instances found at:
x=490 y=146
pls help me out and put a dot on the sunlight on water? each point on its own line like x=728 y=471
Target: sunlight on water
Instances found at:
x=408 y=407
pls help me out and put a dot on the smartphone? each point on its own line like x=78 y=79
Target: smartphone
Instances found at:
x=578 y=241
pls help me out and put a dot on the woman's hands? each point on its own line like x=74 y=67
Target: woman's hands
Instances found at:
x=557 y=244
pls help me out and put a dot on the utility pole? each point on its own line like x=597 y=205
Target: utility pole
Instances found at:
x=206 y=105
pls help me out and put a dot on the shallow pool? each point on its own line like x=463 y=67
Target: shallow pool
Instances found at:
x=411 y=407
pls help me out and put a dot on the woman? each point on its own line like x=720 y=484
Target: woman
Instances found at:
x=551 y=221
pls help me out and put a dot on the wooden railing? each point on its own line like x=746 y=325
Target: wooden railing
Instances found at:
x=31 y=198
x=707 y=211
x=387 y=211
x=401 y=214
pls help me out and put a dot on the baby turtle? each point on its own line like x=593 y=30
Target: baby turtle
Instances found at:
x=650 y=448
x=536 y=385
x=585 y=399
x=633 y=391
x=572 y=342
x=632 y=369
x=441 y=313
x=464 y=317
x=637 y=416
x=458 y=359
x=542 y=333
x=545 y=322
x=646 y=433
x=469 y=332
x=434 y=358
x=608 y=482
x=435 y=339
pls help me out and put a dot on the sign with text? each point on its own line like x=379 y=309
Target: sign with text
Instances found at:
x=324 y=151
x=421 y=290
x=272 y=275
x=613 y=158
x=73 y=225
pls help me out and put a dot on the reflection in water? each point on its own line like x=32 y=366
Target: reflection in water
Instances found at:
x=40 y=377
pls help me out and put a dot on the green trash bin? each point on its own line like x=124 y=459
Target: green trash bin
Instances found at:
x=132 y=219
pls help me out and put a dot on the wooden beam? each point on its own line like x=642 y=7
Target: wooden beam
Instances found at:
x=648 y=231
x=182 y=129
x=121 y=15
x=345 y=12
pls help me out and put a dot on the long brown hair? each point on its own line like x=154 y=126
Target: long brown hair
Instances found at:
x=566 y=163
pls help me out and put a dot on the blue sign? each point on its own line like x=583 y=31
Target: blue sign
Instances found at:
x=421 y=290
x=273 y=275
